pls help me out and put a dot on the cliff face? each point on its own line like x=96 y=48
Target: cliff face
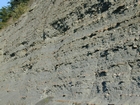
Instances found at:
x=72 y=52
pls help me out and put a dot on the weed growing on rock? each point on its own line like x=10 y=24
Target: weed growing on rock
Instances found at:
x=12 y=12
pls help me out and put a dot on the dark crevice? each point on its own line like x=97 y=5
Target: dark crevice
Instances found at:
x=98 y=8
x=104 y=54
x=84 y=38
x=103 y=73
x=92 y=35
x=27 y=66
x=24 y=42
x=60 y=25
x=104 y=87
x=96 y=51
x=33 y=44
x=105 y=6
x=121 y=82
x=12 y=55
x=64 y=95
x=86 y=46
x=98 y=90
x=115 y=49
x=6 y=52
x=138 y=85
x=89 y=53
x=111 y=66
x=56 y=67
x=113 y=27
x=119 y=9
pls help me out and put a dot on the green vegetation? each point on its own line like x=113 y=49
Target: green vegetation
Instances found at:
x=13 y=11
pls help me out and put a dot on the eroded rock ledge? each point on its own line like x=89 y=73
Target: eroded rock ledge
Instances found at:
x=80 y=52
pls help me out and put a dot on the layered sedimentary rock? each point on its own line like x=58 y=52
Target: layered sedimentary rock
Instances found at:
x=72 y=52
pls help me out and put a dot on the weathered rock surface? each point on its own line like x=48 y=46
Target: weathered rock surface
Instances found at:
x=72 y=52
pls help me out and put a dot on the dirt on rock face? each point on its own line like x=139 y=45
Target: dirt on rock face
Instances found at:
x=72 y=52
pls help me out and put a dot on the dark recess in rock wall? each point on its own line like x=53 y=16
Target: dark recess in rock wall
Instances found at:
x=119 y=9
x=60 y=25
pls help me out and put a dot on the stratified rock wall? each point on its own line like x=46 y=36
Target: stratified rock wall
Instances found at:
x=72 y=52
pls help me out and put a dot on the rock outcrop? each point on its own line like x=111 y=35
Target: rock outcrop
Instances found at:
x=72 y=52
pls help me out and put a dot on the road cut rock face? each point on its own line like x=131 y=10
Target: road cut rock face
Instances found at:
x=72 y=52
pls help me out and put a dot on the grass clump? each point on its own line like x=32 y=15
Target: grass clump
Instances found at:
x=13 y=11
x=19 y=10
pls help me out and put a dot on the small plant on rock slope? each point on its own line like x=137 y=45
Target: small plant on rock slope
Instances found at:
x=13 y=11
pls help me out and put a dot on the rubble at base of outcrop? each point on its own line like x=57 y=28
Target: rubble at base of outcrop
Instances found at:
x=72 y=52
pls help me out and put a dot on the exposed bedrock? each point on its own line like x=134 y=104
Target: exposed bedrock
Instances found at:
x=72 y=52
